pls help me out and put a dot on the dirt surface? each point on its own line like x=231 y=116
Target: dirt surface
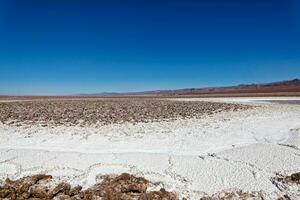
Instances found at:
x=292 y=179
x=81 y=111
x=122 y=187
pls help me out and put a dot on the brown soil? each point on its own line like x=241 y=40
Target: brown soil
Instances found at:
x=290 y=184
x=86 y=111
x=293 y=178
x=122 y=187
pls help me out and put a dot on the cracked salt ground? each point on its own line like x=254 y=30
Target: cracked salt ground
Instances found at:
x=191 y=157
x=183 y=174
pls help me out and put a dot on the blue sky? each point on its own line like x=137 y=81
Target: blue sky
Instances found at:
x=66 y=47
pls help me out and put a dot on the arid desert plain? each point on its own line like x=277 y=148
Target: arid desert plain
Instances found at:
x=150 y=148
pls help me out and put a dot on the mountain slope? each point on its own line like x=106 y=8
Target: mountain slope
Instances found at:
x=289 y=86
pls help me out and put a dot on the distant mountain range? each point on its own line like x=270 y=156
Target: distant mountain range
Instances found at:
x=289 y=86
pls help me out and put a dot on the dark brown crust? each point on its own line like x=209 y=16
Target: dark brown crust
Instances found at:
x=122 y=187
x=87 y=111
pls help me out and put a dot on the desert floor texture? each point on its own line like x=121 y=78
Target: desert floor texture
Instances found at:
x=150 y=148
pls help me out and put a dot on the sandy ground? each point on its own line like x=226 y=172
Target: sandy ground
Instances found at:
x=228 y=150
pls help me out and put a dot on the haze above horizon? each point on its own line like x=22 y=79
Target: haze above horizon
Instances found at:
x=71 y=47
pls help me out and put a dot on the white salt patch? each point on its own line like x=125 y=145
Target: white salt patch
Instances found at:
x=171 y=154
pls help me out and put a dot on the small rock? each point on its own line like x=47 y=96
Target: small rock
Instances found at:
x=296 y=177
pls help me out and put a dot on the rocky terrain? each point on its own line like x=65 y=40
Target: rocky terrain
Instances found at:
x=122 y=187
x=112 y=187
x=86 y=111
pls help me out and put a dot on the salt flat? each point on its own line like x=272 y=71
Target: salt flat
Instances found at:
x=245 y=149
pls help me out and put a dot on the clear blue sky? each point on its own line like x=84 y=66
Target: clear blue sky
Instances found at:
x=54 y=47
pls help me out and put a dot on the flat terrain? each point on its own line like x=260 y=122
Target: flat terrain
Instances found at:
x=87 y=111
x=241 y=147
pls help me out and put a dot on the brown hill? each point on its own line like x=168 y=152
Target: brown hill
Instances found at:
x=282 y=87
x=289 y=87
